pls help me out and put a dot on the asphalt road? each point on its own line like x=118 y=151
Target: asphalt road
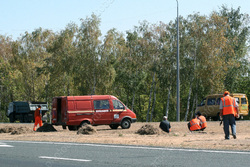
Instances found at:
x=48 y=154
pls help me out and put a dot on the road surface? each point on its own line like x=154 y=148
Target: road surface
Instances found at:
x=48 y=154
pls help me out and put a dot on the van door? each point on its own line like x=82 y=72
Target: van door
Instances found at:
x=118 y=110
x=103 y=114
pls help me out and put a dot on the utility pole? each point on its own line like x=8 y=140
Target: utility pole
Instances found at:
x=178 y=69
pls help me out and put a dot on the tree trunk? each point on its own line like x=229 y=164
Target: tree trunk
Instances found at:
x=150 y=94
x=153 y=107
x=167 y=108
x=133 y=100
x=188 y=103
x=192 y=112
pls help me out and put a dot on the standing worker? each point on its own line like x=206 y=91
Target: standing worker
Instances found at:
x=194 y=124
x=165 y=125
x=203 y=121
x=228 y=107
x=38 y=117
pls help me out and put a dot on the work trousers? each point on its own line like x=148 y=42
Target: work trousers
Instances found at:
x=39 y=121
x=229 y=120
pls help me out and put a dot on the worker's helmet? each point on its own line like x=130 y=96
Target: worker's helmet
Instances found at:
x=226 y=93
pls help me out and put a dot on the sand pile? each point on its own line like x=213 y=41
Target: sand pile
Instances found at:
x=14 y=130
x=87 y=130
x=147 y=130
x=46 y=128
x=6 y=129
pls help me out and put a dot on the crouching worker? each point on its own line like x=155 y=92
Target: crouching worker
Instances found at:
x=165 y=125
x=202 y=119
x=38 y=118
x=194 y=124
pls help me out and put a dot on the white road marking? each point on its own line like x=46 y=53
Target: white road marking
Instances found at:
x=135 y=147
x=5 y=145
x=67 y=159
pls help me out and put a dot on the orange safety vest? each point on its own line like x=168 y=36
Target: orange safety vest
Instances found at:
x=203 y=121
x=195 y=124
x=228 y=104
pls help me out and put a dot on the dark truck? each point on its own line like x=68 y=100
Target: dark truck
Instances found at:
x=24 y=111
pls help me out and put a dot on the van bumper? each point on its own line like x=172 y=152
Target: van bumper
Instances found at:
x=133 y=120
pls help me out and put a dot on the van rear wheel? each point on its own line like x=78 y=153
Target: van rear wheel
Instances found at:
x=72 y=128
x=125 y=124
x=113 y=126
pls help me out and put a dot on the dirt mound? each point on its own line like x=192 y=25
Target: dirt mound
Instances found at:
x=46 y=128
x=15 y=131
x=21 y=130
x=87 y=130
x=147 y=130
x=6 y=129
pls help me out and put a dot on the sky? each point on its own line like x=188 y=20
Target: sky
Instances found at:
x=19 y=16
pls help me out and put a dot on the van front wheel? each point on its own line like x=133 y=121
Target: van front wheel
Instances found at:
x=125 y=124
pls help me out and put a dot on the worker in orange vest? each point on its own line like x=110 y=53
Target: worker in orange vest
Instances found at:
x=194 y=124
x=38 y=117
x=228 y=110
x=203 y=121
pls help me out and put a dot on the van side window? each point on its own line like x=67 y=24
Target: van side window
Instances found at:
x=101 y=104
x=211 y=101
x=243 y=101
x=117 y=104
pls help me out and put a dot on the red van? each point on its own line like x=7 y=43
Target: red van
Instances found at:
x=75 y=111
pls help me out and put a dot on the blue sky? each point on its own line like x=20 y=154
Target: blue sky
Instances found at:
x=18 y=16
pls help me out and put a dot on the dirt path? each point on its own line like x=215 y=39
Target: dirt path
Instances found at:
x=180 y=137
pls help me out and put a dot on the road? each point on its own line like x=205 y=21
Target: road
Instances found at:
x=40 y=154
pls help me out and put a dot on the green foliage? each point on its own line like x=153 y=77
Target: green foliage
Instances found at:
x=79 y=61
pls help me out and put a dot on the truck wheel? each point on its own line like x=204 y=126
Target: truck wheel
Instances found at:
x=11 y=117
x=64 y=126
x=113 y=126
x=125 y=124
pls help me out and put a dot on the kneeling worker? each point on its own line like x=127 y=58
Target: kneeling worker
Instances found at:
x=165 y=125
x=194 y=124
x=203 y=121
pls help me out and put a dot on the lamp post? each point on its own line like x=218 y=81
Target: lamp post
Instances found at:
x=178 y=69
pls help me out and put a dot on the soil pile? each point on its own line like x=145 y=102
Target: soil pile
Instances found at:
x=15 y=131
x=87 y=130
x=6 y=129
x=21 y=130
x=46 y=128
x=147 y=130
